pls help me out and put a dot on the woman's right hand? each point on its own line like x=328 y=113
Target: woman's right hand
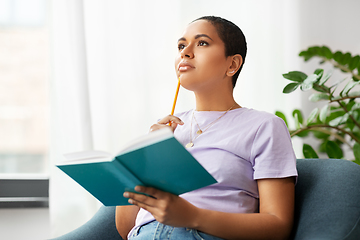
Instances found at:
x=175 y=121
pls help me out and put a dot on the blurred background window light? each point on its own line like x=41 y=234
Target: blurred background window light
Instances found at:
x=24 y=76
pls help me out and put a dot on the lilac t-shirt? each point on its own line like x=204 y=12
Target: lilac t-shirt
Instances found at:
x=242 y=146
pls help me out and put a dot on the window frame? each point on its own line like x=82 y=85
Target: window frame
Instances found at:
x=24 y=191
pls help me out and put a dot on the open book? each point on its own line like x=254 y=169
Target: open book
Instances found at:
x=156 y=160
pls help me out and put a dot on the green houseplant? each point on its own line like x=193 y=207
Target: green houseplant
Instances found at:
x=337 y=123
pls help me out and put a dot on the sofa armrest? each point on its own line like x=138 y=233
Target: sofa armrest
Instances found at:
x=100 y=226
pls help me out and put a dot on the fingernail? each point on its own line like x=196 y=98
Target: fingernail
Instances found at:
x=126 y=194
x=138 y=188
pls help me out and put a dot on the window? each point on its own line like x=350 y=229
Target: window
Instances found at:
x=24 y=74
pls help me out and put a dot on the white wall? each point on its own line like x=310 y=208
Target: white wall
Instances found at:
x=333 y=23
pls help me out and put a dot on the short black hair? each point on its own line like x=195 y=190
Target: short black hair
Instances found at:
x=232 y=36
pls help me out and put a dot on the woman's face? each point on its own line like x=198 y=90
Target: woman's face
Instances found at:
x=201 y=63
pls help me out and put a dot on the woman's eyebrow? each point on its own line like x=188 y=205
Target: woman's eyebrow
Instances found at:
x=182 y=39
x=202 y=35
x=196 y=37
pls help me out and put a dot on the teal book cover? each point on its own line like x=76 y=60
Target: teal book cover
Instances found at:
x=157 y=160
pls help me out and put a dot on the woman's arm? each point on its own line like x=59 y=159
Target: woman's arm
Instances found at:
x=126 y=215
x=125 y=219
x=274 y=220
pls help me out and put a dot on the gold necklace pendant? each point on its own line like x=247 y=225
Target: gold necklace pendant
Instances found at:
x=189 y=145
x=199 y=132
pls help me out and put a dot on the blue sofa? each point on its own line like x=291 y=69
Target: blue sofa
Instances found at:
x=327 y=205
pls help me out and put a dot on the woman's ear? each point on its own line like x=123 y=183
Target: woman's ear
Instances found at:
x=236 y=62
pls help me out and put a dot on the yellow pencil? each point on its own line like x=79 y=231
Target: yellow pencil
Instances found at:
x=176 y=95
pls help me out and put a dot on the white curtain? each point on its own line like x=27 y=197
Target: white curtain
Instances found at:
x=113 y=75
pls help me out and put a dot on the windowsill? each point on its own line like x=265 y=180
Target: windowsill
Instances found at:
x=24 y=202
x=24 y=191
x=23 y=176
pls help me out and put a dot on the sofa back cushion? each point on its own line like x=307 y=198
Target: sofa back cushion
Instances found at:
x=327 y=200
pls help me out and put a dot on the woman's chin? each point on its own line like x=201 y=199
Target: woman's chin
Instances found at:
x=188 y=83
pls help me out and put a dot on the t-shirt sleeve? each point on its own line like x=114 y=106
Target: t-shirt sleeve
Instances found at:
x=272 y=154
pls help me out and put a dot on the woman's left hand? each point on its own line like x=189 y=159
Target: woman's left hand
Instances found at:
x=166 y=208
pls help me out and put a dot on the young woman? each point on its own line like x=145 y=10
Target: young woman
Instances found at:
x=248 y=152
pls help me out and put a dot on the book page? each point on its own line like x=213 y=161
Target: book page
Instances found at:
x=101 y=156
x=86 y=157
x=149 y=139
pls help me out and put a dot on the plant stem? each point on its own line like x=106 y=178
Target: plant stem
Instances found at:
x=337 y=65
x=340 y=138
x=345 y=69
x=351 y=116
x=325 y=126
x=327 y=90
x=344 y=98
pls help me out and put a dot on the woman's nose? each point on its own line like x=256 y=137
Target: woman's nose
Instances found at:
x=187 y=52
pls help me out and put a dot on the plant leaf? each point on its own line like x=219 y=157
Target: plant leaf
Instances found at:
x=339 y=120
x=353 y=94
x=298 y=118
x=323 y=113
x=333 y=150
x=356 y=114
x=320 y=135
x=316 y=50
x=306 y=55
x=312 y=116
x=354 y=62
x=325 y=78
x=356 y=150
x=355 y=106
x=357 y=161
x=335 y=112
x=282 y=116
x=298 y=114
x=337 y=83
x=320 y=88
x=319 y=72
x=290 y=87
x=297 y=123
x=303 y=134
x=350 y=104
x=338 y=56
x=349 y=86
x=307 y=84
x=309 y=152
x=296 y=76
x=303 y=53
x=327 y=52
x=341 y=94
x=315 y=97
x=345 y=59
x=336 y=98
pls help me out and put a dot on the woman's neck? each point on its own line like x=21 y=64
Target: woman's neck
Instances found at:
x=215 y=101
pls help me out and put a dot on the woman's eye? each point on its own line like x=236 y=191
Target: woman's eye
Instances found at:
x=181 y=46
x=203 y=43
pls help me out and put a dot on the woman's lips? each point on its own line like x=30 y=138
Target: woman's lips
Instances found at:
x=184 y=66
